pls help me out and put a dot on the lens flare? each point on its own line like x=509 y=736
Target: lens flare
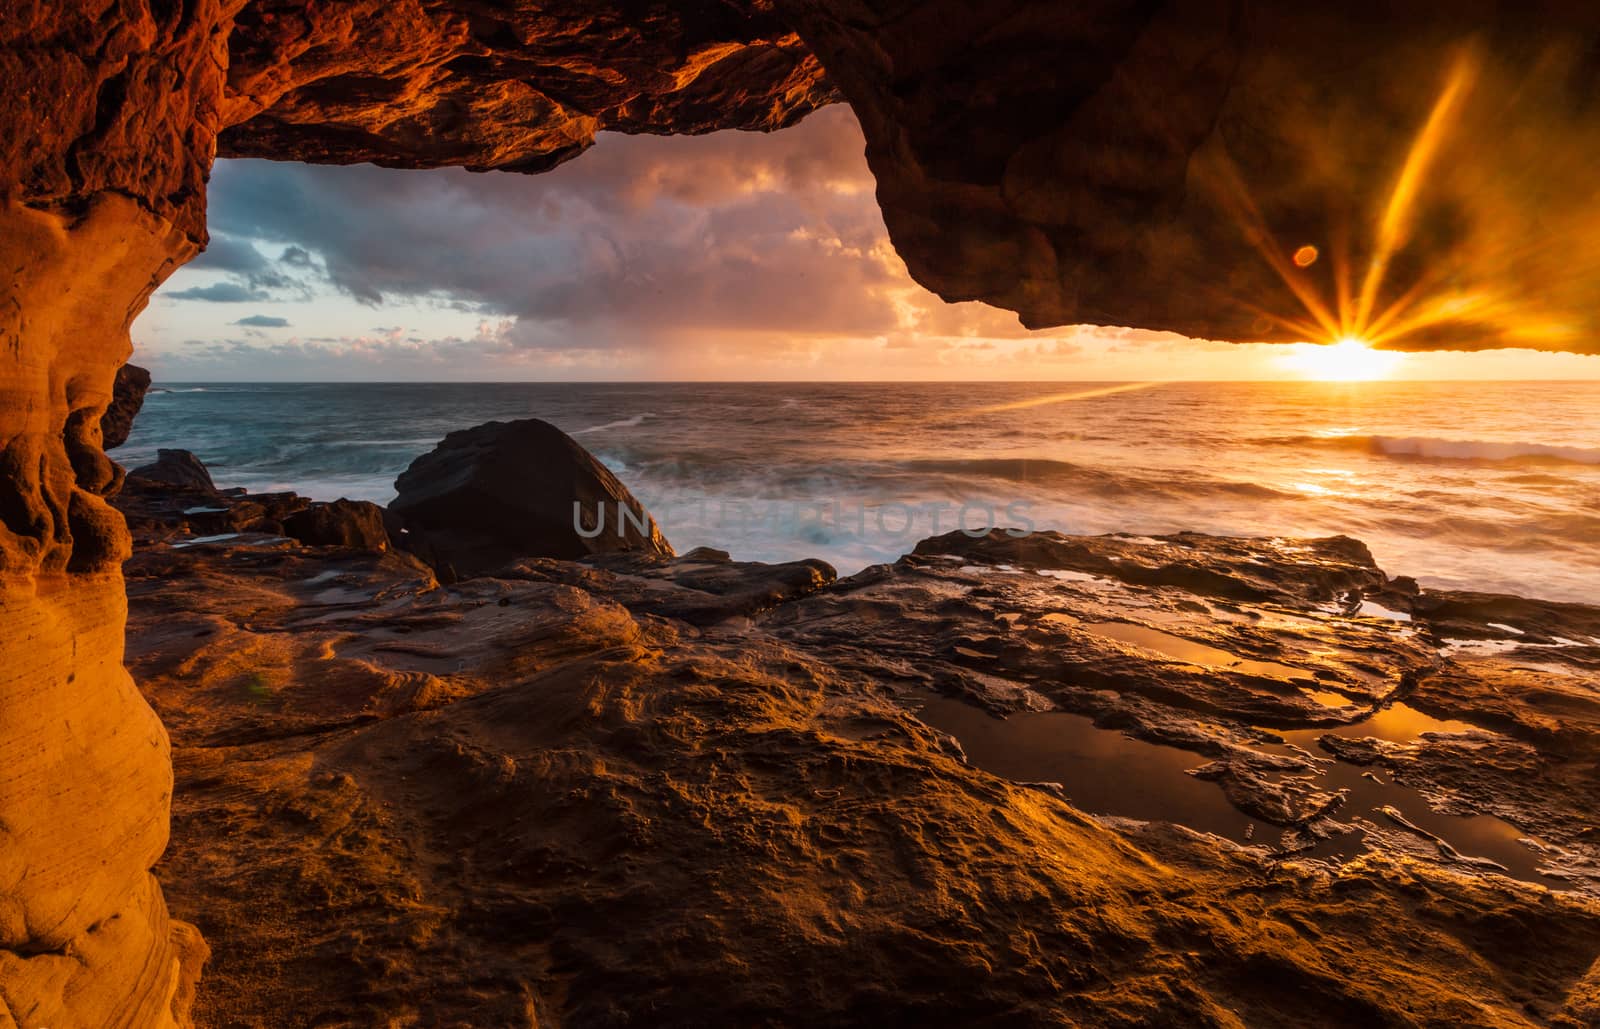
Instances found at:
x=1365 y=309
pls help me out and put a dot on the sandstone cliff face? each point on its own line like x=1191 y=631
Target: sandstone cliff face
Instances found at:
x=104 y=149
x=523 y=87
x=86 y=780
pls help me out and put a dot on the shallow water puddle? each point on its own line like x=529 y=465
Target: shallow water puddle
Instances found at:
x=1102 y=771
x=1070 y=575
x=1105 y=772
x=1190 y=652
x=1402 y=723
x=197 y=541
x=1373 y=609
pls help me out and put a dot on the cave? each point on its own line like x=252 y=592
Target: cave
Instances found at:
x=1150 y=165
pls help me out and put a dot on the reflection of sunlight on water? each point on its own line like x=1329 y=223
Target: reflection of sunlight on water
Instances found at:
x=1188 y=651
x=1401 y=723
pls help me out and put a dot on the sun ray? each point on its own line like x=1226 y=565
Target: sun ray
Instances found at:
x=1062 y=398
x=1343 y=336
x=1396 y=221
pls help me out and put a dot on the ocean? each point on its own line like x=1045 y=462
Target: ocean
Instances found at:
x=1487 y=486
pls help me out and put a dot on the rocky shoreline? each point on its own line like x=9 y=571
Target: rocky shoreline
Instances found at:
x=677 y=790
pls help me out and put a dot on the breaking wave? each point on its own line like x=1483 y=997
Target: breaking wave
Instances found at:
x=1430 y=448
x=625 y=423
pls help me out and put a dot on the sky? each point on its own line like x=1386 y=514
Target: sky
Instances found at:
x=732 y=256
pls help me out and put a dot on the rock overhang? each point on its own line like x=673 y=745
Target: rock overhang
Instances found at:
x=1157 y=166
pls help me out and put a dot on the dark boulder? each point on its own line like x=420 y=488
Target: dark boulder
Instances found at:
x=501 y=491
x=177 y=468
x=355 y=524
x=127 y=397
x=174 y=496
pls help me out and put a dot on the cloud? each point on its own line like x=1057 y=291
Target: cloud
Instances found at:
x=644 y=242
x=246 y=273
x=263 y=321
x=220 y=293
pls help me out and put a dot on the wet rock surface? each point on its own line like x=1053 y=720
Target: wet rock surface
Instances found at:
x=689 y=790
x=1320 y=710
x=173 y=501
x=356 y=524
x=177 y=468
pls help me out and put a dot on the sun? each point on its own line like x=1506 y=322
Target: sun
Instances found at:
x=1348 y=360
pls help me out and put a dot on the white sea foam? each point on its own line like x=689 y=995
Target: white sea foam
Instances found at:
x=1436 y=448
x=625 y=423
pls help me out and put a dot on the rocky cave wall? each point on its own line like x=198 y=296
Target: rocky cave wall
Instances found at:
x=115 y=108
x=1040 y=156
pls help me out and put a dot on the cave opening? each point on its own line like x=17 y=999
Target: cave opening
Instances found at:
x=423 y=765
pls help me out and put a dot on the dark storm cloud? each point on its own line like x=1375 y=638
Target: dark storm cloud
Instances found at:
x=263 y=321
x=248 y=274
x=236 y=256
x=221 y=293
x=643 y=236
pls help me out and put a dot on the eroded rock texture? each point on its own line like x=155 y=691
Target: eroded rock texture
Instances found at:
x=104 y=146
x=86 y=780
x=127 y=397
x=626 y=791
x=523 y=87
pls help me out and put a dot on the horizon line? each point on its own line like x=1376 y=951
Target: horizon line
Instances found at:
x=844 y=382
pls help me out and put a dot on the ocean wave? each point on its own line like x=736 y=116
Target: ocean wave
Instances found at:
x=1018 y=469
x=179 y=390
x=626 y=423
x=1432 y=448
x=427 y=441
x=1100 y=482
